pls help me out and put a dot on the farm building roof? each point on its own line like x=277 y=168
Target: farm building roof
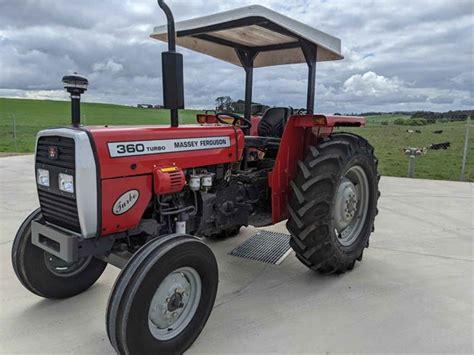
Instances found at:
x=276 y=38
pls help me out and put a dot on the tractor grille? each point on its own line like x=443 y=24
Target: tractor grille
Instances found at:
x=59 y=210
x=66 y=151
x=57 y=207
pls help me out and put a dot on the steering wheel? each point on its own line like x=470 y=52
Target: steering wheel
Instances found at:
x=247 y=124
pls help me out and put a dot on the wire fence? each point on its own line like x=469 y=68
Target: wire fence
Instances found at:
x=17 y=135
x=465 y=150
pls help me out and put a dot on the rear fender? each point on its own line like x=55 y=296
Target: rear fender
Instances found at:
x=300 y=133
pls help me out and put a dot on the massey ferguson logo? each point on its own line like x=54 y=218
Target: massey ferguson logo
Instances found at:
x=125 y=202
x=159 y=146
x=53 y=152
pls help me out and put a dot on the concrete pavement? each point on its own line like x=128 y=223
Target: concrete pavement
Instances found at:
x=413 y=292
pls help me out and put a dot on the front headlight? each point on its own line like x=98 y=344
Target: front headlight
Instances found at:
x=66 y=183
x=42 y=177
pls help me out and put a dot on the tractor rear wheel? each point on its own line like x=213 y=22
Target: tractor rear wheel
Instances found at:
x=163 y=297
x=334 y=203
x=46 y=275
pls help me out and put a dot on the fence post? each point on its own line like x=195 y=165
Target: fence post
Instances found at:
x=412 y=153
x=411 y=166
x=14 y=133
x=466 y=140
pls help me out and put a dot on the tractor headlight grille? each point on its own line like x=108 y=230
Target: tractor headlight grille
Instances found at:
x=56 y=155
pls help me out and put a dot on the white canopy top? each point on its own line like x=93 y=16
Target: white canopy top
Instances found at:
x=274 y=37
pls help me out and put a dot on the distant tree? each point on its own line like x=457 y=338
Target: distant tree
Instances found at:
x=224 y=103
x=228 y=103
x=220 y=103
x=432 y=117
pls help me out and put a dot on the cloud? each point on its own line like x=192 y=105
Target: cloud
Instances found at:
x=109 y=65
x=399 y=54
x=371 y=84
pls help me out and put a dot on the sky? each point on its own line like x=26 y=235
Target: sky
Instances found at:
x=400 y=55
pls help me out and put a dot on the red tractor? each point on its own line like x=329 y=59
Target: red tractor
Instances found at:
x=143 y=197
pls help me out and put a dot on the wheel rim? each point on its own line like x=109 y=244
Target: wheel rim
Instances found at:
x=62 y=268
x=174 y=303
x=351 y=205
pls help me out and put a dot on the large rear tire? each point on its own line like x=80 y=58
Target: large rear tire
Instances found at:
x=46 y=275
x=163 y=297
x=334 y=203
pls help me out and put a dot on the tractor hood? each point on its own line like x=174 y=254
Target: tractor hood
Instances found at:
x=136 y=150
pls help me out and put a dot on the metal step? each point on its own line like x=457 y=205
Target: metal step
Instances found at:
x=265 y=246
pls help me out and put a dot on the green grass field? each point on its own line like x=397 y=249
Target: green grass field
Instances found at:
x=378 y=119
x=33 y=115
x=390 y=140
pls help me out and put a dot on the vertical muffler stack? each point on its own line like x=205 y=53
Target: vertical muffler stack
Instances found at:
x=76 y=85
x=172 y=71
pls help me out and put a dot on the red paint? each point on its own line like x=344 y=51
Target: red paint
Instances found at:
x=112 y=189
x=255 y=122
x=356 y=121
x=300 y=133
x=144 y=164
x=119 y=175
x=166 y=182
x=329 y=121
x=292 y=148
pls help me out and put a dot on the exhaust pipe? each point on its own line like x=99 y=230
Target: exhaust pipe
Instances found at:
x=76 y=85
x=172 y=70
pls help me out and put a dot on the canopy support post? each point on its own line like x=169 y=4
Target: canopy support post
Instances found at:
x=310 y=52
x=246 y=58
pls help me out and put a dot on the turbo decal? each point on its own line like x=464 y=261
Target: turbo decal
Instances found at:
x=125 y=202
x=123 y=149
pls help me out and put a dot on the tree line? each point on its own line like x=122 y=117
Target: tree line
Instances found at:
x=422 y=118
x=432 y=117
x=227 y=104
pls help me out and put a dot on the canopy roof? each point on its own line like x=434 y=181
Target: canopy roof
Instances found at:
x=274 y=37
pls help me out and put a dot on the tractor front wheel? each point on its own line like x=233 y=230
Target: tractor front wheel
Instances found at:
x=46 y=275
x=334 y=203
x=163 y=297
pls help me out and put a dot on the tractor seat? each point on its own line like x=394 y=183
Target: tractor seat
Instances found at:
x=273 y=122
x=270 y=129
